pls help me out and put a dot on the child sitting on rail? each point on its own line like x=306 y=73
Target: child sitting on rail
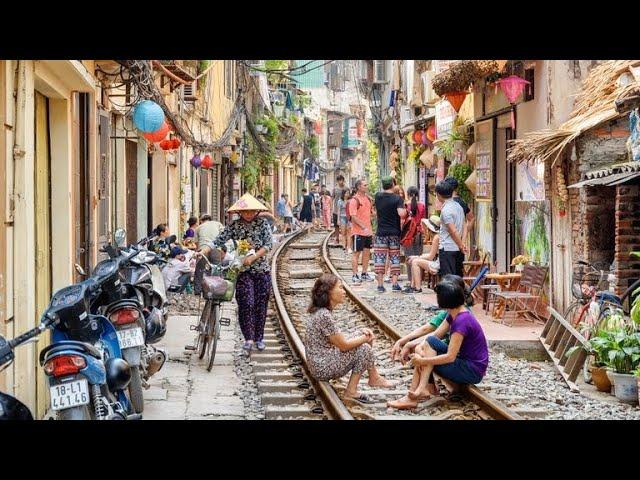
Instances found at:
x=463 y=361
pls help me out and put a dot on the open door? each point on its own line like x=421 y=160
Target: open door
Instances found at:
x=104 y=179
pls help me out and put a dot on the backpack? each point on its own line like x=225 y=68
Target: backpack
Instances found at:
x=357 y=208
x=408 y=233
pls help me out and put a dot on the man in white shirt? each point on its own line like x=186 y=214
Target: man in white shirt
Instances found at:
x=177 y=272
x=452 y=249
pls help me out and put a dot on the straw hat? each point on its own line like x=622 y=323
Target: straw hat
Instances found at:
x=432 y=223
x=247 y=202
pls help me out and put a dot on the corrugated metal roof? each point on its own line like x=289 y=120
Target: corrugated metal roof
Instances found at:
x=611 y=175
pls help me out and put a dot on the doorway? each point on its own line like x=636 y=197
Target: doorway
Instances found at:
x=131 y=152
x=81 y=185
x=504 y=202
x=104 y=179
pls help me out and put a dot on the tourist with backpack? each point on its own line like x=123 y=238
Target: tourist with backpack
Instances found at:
x=360 y=214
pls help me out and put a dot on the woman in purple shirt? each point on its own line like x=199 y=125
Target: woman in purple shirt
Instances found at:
x=463 y=361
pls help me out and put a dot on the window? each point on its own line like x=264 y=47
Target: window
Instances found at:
x=529 y=90
x=229 y=78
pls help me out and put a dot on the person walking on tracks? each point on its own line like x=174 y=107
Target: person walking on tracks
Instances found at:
x=253 y=285
x=306 y=214
x=338 y=192
x=390 y=209
x=330 y=355
x=359 y=210
x=463 y=360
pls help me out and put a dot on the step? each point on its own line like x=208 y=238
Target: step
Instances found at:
x=282 y=376
x=279 y=387
x=310 y=273
x=283 y=399
x=290 y=412
x=276 y=366
x=264 y=356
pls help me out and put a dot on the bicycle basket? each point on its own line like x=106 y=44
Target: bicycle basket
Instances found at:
x=219 y=284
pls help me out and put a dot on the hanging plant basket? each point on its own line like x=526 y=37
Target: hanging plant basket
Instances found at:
x=462 y=74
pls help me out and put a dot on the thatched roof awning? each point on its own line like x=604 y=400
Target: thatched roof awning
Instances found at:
x=595 y=104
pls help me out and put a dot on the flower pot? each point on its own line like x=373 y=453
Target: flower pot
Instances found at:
x=625 y=386
x=600 y=379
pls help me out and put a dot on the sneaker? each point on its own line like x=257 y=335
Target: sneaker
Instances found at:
x=407 y=290
x=248 y=345
x=381 y=289
x=356 y=279
x=396 y=288
x=367 y=277
x=260 y=345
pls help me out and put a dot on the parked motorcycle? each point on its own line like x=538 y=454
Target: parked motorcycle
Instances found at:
x=10 y=407
x=133 y=309
x=84 y=365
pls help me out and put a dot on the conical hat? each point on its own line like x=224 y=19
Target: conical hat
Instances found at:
x=247 y=202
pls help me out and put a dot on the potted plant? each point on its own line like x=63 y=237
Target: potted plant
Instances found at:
x=624 y=358
x=597 y=348
x=519 y=262
x=636 y=374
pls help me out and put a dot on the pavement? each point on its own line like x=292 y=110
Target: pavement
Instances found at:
x=183 y=389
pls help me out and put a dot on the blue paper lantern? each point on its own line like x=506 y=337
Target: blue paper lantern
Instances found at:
x=148 y=116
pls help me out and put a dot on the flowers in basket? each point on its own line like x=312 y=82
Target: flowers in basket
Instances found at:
x=520 y=261
x=243 y=250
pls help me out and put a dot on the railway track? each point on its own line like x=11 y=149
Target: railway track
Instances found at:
x=287 y=388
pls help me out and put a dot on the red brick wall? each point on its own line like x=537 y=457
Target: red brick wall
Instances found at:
x=627 y=236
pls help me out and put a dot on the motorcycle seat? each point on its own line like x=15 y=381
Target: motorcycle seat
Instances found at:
x=68 y=345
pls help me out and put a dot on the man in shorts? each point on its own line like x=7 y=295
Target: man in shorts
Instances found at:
x=337 y=194
x=360 y=211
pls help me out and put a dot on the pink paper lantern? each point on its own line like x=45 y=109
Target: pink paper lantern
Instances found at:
x=512 y=86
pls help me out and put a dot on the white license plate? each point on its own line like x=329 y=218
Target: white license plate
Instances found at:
x=131 y=337
x=69 y=394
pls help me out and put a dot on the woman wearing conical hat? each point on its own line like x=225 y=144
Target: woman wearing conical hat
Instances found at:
x=253 y=285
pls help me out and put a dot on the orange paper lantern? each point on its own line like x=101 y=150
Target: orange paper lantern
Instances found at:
x=166 y=144
x=417 y=137
x=176 y=143
x=158 y=135
x=456 y=99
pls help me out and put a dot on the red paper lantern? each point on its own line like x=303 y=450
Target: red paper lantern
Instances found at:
x=417 y=137
x=456 y=99
x=207 y=162
x=431 y=132
x=166 y=144
x=318 y=127
x=176 y=143
x=159 y=134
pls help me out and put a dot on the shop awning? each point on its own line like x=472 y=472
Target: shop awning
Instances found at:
x=610 y=176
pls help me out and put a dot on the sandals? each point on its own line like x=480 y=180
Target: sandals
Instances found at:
x=362 y=398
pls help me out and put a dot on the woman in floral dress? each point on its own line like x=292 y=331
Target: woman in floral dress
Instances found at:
x=329 y=353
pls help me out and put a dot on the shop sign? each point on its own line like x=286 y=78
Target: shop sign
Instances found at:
x=423 y=185
x=484 y=159
x=445 y=116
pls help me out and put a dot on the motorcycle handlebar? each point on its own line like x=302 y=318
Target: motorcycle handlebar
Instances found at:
x=46 y=321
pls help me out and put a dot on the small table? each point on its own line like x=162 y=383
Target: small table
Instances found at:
x=507 y=282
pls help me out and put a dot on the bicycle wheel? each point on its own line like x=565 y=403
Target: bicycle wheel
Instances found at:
x=575 y=313
x=202 y=332
x=214 y=333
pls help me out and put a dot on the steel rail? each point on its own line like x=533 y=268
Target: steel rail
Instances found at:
x=330 y=399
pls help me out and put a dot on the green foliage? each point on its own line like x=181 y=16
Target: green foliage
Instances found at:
x=302 y=100
x=414 y=155
x=461 y=172
x=275 y=77
x=267 y=192
x=537 y=242
x=202 y=66
x=371 y=167
x=312 y=143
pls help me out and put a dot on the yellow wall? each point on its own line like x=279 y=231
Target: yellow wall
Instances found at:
x=220 y=106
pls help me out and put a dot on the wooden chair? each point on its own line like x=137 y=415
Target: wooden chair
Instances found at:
x=472 y=272
x=531 y=286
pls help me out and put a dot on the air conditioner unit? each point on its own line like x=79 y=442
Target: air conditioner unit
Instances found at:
x=430 y=97
x=379 y=71
x=406 y=115
x=189 y=91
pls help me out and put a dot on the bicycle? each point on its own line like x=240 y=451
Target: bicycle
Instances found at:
x=216 y=288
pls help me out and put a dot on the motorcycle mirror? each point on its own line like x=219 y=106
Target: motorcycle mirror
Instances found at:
x=80 y=270
x=120 y=236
